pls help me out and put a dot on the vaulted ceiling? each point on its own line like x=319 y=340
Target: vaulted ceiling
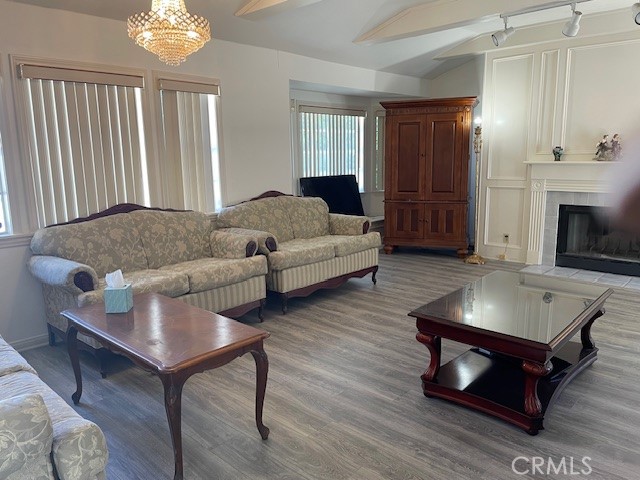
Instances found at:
x=399 y=36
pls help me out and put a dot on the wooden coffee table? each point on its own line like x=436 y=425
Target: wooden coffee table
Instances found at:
x=521 y=325
x=173 y=340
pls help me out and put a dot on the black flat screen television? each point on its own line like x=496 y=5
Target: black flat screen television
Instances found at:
x=339 y=191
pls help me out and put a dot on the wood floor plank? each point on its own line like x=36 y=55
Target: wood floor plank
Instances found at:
x=344 y=399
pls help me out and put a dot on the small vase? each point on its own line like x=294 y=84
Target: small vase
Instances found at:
x=557 y=153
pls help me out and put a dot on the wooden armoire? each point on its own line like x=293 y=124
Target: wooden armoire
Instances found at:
x=427 y=173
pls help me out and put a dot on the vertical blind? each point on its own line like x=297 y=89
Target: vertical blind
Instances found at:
x=4 y=205
x=331 y=142
x=85 y=138
x=191 y=143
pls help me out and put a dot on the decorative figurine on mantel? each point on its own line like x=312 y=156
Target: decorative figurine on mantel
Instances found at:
x=616 y=147
x=608 y=150
x=603 y=149
x=557 y=153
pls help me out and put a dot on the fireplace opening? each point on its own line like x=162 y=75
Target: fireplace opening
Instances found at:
x=587 y=240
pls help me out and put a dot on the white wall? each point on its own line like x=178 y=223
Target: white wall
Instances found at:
x=255 y=118
x=566 y=92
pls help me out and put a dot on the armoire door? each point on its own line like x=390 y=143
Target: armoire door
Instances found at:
x=404 y=220
x=446 y=169
x=445 y=224
x=405 y=151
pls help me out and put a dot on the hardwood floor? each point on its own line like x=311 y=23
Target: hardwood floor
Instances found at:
x=344 y=399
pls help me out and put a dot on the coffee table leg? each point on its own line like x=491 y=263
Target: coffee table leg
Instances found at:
x=534 y=371
x=72 y=348
x=262 y=369
x=432 y=342
x=173 y=406
x=585 y=332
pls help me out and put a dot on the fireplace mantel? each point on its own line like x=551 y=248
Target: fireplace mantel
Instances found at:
x=576 y=177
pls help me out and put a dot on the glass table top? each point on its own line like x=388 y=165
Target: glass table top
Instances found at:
x=523 y=305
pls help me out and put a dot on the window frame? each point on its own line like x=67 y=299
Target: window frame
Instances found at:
x=146 y=131
x=198 y=84
x=305 y=106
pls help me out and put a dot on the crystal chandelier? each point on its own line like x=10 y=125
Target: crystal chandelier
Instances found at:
x=169 y=31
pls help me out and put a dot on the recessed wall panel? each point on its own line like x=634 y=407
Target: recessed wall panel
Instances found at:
x=548 y=100
x=601 y=95
x=504 y=215
x=511 y=114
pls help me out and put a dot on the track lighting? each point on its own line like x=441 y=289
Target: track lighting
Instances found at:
x=500 y=37
x=571 y=28
x=635 y=10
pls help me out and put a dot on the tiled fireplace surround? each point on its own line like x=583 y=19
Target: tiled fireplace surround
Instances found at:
x=554 y=200
x=580 y=183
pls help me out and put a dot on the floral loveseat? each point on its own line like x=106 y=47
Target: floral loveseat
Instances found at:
x=41 y=437
x=175 y=253
x=307 y=247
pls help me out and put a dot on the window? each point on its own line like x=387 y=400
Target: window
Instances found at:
x=331 y=142
x=190 y=127
x=378 y=168
x=85 y=140
x=4 y=200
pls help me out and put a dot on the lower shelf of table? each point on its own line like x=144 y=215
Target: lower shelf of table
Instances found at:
x=495 y=383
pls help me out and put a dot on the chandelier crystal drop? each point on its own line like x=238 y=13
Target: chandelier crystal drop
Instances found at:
x=169 y=31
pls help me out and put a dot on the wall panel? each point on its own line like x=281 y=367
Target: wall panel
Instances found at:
x=603 y=82
x=504 y=215
x=545 y=140
x=510 y=118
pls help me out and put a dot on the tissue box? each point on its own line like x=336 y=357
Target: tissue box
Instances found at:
x=118 y=300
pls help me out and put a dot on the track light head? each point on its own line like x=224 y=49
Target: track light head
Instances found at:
x=571 y=28
x=635 y=11
x=500 y=37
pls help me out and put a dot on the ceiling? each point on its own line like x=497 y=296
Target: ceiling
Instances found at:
x=396 y=36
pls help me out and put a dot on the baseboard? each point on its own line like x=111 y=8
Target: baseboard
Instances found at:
x=29 y=343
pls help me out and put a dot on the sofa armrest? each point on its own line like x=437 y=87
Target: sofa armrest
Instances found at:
x=72 y=276
x=26 y=437
x=340 y=224
x=79 y=449
x=267 y=242
x=226 y=244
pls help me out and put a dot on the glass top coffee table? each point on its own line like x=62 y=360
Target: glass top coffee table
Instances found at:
x=520 y=326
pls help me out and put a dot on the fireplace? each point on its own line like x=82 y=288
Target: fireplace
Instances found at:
x=587 y=240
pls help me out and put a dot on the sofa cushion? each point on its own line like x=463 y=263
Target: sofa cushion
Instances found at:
x=26 y=436
x=105 y=244
x=173 y=237
x=309 y=216
x=347 y=244
x=11 y=361
x=165 y=282
x=267 y=215
x=79 y=446
x=300 y=252
x=208 y=273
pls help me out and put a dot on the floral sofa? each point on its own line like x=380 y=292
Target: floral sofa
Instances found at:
x=176 y=253
x=41 y=436
x=307 y=247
